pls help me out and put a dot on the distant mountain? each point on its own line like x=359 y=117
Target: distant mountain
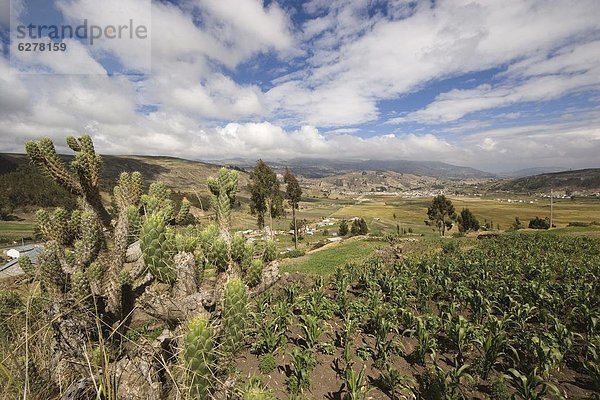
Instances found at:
x=582 y=180
x=320 y=168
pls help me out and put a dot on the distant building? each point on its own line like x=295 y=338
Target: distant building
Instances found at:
x=12 y=267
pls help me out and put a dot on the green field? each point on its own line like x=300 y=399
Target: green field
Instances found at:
x=324 y=261
x=15 y=231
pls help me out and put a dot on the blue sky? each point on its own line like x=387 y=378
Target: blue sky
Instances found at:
x=498 y=86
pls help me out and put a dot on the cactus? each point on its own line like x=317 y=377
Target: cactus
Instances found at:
x=50 y=267
x=135 y=223
x=234 y=316
x=80 y=286
x=256 y=390
x=223 y=189
x=84 y=176
x=90 y=244
x=269 y=251
x=129 y=189
x=26 y=265
x=56 y=226
x=157 y=249
x=158 y=201
x=254 y=273
x=198 y=355
x=184 y=211
x=239 y=250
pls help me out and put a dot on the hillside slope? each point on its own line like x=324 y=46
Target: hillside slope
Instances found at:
x=587 y=180
x=182 y=175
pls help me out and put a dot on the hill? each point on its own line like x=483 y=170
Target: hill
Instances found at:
x=586 y=180
x=320 y=168
x=180 y=174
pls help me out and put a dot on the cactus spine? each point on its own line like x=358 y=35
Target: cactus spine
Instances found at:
x=234 y=316
x=198 y=355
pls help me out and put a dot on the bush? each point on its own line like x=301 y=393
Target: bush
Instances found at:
x=538 y=223
x=293 y=254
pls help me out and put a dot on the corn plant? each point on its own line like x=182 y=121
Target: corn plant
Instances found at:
x=531 y=386
x=302 y=364
x=492 y=346
x=461 y=333
x=355 y=385
x=591 y=365
x=395 y=384
x=426 y=343
x=312 y=330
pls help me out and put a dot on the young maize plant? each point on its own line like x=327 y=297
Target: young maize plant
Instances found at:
x=312 y=330
x=531 y=386
x=199 y=357
x=396 y=385
x=355 y=384
x=302 y=364
x=235 y=305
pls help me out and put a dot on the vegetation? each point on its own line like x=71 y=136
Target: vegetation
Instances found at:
x=265 y=197
x=343 y=230
x=156 y=305
x=293 y=195
x=441 y=213
x=467 y=221
x=538 y=223
x=359 y=227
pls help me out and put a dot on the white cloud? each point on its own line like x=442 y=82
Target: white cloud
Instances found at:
x=395 y=57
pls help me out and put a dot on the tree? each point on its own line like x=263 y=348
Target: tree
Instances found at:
x=293 y=193
x=467 y=221
x=538 y=223
x=517 y=224
x=441 y=213
x=264 y=194
x=359 y=227
x=343 y=231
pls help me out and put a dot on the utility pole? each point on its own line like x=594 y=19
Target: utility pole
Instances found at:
x=551 y=206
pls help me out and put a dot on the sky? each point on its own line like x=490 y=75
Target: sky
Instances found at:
x=494 y=85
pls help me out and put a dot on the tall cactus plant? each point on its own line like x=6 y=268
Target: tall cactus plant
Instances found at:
x=157 y=248
x=199 y=355
x=223 y=189
x=83 y=176
x=235 y=305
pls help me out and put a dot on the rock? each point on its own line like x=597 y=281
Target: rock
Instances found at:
x=134 y=252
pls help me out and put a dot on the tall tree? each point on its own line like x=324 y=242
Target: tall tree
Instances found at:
x=467 y=221
x=293 y=193
x=264 y=194
x=441 y=213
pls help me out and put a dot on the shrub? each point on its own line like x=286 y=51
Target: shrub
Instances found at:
x=538 y=223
